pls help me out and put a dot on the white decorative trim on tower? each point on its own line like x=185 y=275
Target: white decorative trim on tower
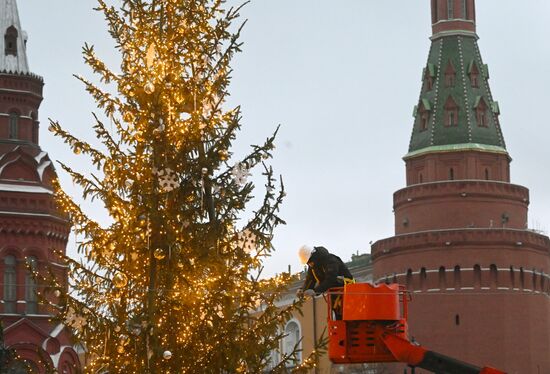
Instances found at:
x=9 y=18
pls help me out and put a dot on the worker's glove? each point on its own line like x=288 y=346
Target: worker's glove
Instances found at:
x=299 y=293
x=309 y=293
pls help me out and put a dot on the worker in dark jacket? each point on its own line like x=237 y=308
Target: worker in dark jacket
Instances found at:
x=325 y=271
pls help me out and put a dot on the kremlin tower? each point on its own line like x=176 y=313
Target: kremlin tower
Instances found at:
x=479 y=278
x=31 y=228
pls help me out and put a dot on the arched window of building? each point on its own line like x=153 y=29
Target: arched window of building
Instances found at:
x=10 y=41
x=435 y=11
x=34 y=128
x=465 y=9
x=451 y=174
x=31 y=299
x=292 y=342
x=512 y=277
x=450 y=9
x=13 y=125
x=450 y=74
x=409 y=279
x=535 y=280
x=457 y=278
x=477 y=276
x=521 y=278
x=451 y=112
x=10 y=284
x=442 y=278
x=493 y=276
x=420 y=178
x=487 y=174
x=423 y=278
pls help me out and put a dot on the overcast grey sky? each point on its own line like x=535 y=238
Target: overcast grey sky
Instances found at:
x=341 y=77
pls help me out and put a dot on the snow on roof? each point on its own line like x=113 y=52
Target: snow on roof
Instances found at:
x=9 y=16
x=23 y=188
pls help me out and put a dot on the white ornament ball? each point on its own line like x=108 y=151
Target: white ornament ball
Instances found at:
x=57 y=293
x=149 y=88
x=167 y=355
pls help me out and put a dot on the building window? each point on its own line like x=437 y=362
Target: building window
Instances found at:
x=14 y=125
x=423 y=113
x=435 y=10
x=10 y=285
x=451 y=174
x=291 y=342
x=450 y=9
x=31 y=298
x=34 y=128
x=451 y=112
x=457 y=278
x=10 y=41
x=487 y=174
x=450 y=74
x=481 y=112
x=465 y=9
x=457 y=319
x=473 y=71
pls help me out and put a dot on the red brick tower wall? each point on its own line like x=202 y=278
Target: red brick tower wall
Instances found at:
x=479 y=277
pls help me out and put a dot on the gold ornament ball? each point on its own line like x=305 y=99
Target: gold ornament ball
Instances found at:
x=223 y=154
x=51 y=128
x=159 y=254
x=77 y=151
x=120 y=280
x=149 y=88
x=120 y=349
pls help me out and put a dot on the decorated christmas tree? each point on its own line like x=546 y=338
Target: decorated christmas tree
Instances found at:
x=173 y=284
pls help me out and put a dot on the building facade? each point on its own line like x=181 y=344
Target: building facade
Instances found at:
x=479 y=277
x=31 y=228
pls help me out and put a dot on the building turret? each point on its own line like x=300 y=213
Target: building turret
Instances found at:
x=478 y=276
x=31 y=227
x=453 y=17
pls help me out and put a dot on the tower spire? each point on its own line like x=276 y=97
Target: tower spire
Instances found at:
x=13 y=54
x=456 y=111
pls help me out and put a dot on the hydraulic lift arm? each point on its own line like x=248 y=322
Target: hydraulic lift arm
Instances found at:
x=417 y=356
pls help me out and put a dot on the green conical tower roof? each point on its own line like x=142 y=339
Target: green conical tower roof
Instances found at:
x=456 y=110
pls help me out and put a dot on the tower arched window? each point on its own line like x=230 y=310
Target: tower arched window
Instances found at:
x=451 y=174
x=450 y=9
x=435 y=11
x=10 y=41
x=13 y=125
x=450 y=74
x=451 y=112
x=291 y=342
x=457 y=278
x=442 y=278
x=31 y=299
x=10 y=284
x=34 y=128
x=481 y=112
x=424 y=114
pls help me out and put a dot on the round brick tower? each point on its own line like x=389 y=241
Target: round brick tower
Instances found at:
x=31 y=228
x=479 y=277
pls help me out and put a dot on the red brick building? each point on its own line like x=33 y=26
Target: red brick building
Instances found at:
x=479 y=276
x=30 y=226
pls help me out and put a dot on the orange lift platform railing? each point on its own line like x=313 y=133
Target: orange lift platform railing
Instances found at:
x=373 y=329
